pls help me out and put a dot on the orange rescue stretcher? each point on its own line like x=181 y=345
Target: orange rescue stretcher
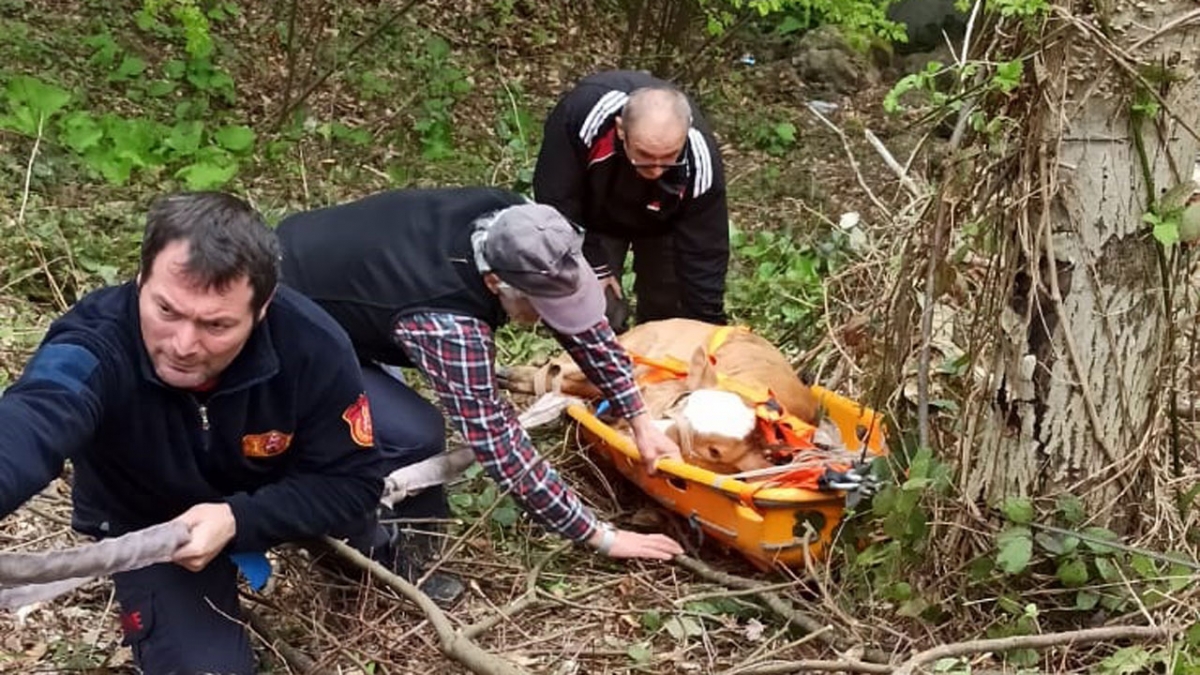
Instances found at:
x=770 y=521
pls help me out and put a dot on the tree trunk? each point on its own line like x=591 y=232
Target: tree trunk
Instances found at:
x=1076 y=367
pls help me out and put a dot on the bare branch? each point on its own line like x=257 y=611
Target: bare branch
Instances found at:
x=1031 y=642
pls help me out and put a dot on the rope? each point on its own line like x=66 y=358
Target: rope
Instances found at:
x=26 y=578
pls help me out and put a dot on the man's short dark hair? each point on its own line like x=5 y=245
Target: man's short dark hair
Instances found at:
x=226 y=237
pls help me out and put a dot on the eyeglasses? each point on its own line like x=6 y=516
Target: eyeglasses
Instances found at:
x=681 y=161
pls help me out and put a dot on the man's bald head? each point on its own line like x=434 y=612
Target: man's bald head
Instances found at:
x=654 y=126
x=656 y=109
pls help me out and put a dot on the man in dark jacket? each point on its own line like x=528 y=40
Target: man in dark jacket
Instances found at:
x=424 y=278
x=626 y=156
x=198 y=393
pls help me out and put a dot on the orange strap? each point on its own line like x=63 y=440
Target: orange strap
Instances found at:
x=779 y=428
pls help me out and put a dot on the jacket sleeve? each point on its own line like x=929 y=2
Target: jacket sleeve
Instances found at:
x=49 y=414
x=336 y=478
x=558 y=176
x=457 y=355
x=702 y=256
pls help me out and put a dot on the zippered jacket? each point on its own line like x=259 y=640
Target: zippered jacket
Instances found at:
x=284 y=438
x=583 y=171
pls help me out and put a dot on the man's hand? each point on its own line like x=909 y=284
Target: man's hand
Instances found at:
x=626 y=544
x=652 y=443
x=212 y=527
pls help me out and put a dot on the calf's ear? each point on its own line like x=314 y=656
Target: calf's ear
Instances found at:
x=701 y=373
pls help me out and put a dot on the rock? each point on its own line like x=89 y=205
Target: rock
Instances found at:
x=824 y=61
x=925 y=21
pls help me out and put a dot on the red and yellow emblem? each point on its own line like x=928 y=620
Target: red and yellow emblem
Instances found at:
x=265 y=445
x=358 y=416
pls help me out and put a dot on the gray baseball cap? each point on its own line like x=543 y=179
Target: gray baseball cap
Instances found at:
x=537 y=251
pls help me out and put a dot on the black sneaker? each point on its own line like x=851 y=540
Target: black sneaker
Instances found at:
x=443 y=588
x=408 y=555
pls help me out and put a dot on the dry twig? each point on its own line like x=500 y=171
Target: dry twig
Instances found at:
x=1031 y=642
x=778 y=605
x=453 y=643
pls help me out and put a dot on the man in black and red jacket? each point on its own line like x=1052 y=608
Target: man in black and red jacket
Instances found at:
x=627 y=157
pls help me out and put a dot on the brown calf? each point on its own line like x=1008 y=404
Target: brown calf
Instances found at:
x=715 y=428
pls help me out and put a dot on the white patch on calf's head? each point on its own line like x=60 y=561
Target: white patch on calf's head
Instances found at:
x=713 y=412
x=664 y=424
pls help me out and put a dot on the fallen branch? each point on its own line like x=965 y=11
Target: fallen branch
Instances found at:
x=453 y=644
x=862 y=182
x=526 y=600
x=296 y=659
x=888 y=159
x=785 y=667
x=778 y=605
x=955 y=649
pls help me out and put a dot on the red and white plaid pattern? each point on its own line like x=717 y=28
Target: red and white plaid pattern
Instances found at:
x=457 y=354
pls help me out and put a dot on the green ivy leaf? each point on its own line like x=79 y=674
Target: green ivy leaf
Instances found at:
x=1144 y=566
x=487 y=496
x=174 y=69
x=235 y=138
x=640 y=653
x=1023 y=657
x=786 y=131
x=160 y=88
x=980 y=569
x=1008 y=75
x=1018 y=510
x=913 y=607
x=898 y=591
x=1167 y=232
x=1192 y=636
x=185 y=138
x=1179 y=577
x=1127 y=660
x=1056 y=544
x=134 y=139
x=1072 y=572
x=1085 y=601
x=130 y=67
x=1107 y=569
x=31 y=101
x=1071 y=508
x=107 y=273
x=1016 y=549
x=1102 y=534
x=505 y=515
x=207 y=174
x=682 y=628
x=80 y=131
x=109 y=163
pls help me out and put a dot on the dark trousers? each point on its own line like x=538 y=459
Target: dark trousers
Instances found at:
x=656 y=284
x=408 y=429
x=186 y=623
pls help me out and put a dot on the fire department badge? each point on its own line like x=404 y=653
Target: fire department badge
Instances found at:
x=265 y=445
x=358 y=416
